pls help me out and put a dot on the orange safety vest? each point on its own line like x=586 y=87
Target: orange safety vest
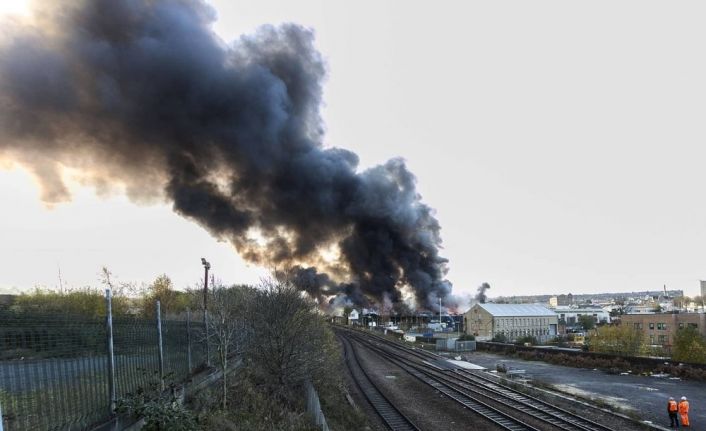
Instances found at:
x=684 y=413
x=672 y=406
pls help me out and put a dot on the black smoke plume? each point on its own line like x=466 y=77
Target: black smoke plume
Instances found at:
x=480 y=296
x=142 y=96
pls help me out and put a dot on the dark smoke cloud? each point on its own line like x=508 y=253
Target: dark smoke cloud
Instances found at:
x=141 y=95
x=480 y=296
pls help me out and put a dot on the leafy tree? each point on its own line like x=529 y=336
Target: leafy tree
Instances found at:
x=347 y=312
x=172 y=302
x=587 y=321
x=689 y=346
x=619 y=340
x=86 y=301
x=617 y=311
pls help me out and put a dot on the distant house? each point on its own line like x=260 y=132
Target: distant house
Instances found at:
x=353 y=317
x=512 y=321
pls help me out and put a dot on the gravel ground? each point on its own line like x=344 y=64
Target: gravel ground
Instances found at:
x=644 y=397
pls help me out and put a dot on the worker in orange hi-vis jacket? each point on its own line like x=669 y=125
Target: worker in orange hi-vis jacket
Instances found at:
x=684 y=412
x=672 y=410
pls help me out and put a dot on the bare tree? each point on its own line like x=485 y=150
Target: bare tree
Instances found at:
x=228 y=331
x=293 y=340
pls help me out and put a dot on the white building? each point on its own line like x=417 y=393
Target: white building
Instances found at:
x=353 y=317
x=570 y=316
x=513 y=321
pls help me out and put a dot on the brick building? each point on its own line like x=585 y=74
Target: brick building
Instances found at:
x=660 y=328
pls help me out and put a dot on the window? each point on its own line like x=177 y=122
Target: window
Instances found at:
x=652 y=339
x=681 y=325
x=637 y=325
x=652 y=325
x=661 y=326
x=662 y=339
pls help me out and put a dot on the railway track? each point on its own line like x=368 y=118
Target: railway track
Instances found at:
x=391 y=416
x=529 y=401
x=471 y=389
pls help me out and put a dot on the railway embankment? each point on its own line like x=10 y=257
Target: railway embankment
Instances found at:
x=603 y=361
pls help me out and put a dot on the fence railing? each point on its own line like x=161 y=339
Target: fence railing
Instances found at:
x=313 y=407
x=55 y=370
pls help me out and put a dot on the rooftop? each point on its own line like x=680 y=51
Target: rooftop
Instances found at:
x=517 y=310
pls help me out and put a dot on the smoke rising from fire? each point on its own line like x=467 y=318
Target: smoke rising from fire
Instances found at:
x=481 y=296
x=142 y=95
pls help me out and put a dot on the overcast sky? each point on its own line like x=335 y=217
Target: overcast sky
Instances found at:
x=561 y=144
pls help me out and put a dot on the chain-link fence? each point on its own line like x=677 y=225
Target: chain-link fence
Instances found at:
x=55 y=369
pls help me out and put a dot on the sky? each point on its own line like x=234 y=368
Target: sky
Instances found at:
x=561 y=144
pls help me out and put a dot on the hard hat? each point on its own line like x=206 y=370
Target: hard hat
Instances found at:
x=683 y=398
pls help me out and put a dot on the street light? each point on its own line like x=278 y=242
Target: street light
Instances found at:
x=206 y=267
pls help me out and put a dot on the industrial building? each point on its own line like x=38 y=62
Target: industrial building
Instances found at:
x=513 y=321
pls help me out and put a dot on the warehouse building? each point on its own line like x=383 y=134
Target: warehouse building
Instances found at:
x=513 y=321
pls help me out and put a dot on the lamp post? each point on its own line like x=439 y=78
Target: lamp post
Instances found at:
x=206 y=267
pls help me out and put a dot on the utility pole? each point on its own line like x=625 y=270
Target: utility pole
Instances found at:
x=440 y=314
x=206 y=267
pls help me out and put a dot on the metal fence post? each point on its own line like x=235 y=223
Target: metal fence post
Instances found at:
x=205 y=327
x=111 y=356
x=1 y=419
x=161 y=351
x=188 y=339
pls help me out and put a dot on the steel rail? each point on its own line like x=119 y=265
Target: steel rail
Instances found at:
x=528 y=404
x=498 y=417
x=529 y=399
x=393 y=418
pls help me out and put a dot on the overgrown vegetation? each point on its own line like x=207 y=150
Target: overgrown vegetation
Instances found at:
x=128 y=299
x=273 y=332
x=617 y=340
x=608 y=363
x=289 y=344
x=161 y=410
x=689 y=346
